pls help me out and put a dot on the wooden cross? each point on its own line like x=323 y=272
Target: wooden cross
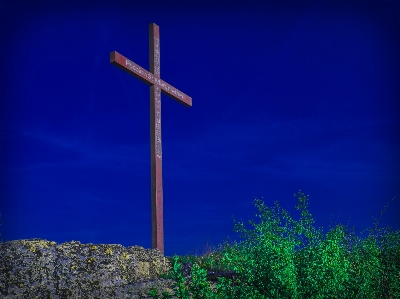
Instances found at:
x=157 y=86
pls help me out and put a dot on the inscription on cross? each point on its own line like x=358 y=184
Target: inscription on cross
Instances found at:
x=157 y=86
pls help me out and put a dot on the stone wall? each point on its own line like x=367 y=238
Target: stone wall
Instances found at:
x=37 y=268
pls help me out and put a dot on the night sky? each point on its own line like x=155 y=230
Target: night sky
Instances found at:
x=286 y=96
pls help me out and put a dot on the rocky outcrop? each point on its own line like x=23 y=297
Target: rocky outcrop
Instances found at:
x=38 y=268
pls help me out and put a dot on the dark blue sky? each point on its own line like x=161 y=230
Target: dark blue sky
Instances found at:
x=286 y=96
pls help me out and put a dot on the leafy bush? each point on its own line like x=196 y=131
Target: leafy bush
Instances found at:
x=274 y=262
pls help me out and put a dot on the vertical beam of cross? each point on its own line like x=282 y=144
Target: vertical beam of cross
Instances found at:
x=157 y=217
x=157 y=86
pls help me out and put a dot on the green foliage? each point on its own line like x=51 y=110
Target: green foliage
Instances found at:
x=274 y=262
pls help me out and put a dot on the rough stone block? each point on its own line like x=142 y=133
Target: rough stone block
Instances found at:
x=37 y=268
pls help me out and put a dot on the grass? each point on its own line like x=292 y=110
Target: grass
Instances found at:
x=274 y=262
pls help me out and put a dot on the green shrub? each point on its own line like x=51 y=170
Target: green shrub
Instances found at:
x=274 y=262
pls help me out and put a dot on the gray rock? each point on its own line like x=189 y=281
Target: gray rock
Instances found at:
x=186 y=268
x=38 y=268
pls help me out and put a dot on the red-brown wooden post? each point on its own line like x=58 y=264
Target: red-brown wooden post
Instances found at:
x=157 y=86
